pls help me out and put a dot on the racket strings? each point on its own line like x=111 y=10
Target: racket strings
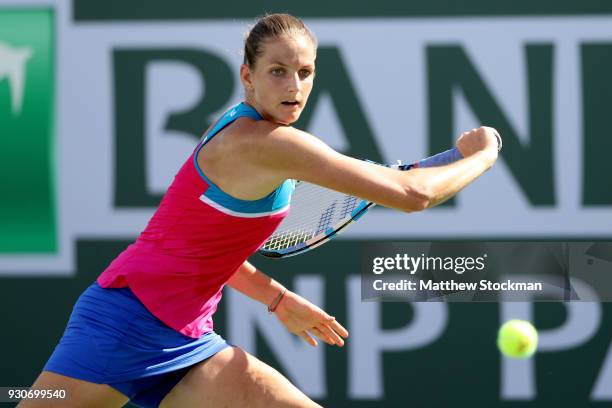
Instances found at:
x=326 y=218
x=349 y=204
x=314 y=211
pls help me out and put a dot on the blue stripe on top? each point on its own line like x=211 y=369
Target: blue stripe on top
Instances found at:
x=276 y=201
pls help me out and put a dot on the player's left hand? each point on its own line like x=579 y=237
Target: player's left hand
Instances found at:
x=306 y=320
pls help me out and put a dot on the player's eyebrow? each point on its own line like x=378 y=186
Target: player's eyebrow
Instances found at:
x=310 y=66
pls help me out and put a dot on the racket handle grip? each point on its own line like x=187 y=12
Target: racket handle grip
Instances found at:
x=441 y=159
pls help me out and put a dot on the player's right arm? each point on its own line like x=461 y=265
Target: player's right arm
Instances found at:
x=287 y=153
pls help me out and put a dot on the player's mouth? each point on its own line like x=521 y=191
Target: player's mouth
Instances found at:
x=291 y=103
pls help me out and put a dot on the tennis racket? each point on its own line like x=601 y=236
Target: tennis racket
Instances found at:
x=318 y=214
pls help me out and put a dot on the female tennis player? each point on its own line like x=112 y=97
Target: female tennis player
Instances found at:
x=144 y=330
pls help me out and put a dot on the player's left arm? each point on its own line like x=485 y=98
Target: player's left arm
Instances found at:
x=297 y=314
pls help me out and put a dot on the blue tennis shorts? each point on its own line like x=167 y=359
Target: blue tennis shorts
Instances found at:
x=111 y=338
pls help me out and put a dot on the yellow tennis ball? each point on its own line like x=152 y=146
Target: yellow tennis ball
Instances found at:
x=517 y=339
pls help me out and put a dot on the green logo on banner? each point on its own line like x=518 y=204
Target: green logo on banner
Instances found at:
x=27 y=170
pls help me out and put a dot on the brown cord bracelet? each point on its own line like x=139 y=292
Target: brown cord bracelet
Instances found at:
x=276 y=301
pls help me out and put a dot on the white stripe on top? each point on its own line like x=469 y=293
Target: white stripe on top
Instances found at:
x=224 y=210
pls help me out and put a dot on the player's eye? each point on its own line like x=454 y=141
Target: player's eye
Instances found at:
x=277 y=71
x=305 y=73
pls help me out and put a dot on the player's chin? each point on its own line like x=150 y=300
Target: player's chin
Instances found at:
x=287 y=118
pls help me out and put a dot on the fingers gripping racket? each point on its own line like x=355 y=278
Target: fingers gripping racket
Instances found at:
x=319 y=214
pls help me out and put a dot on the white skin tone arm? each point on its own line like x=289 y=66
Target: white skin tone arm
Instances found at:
x=255 y=284
x=282 y=152
x=297 y=314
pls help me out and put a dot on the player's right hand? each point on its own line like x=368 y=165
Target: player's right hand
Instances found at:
x=479 y=139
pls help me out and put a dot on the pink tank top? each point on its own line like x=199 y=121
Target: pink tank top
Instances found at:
x=194 y=243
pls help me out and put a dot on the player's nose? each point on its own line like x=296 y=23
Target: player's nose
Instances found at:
x=293 y=83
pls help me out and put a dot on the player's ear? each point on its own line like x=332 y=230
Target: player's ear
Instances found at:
x=246 y=77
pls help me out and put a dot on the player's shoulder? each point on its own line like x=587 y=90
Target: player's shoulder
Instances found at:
x=264 y=134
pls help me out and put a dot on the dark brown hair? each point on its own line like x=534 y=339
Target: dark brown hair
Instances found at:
x=270 y=26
